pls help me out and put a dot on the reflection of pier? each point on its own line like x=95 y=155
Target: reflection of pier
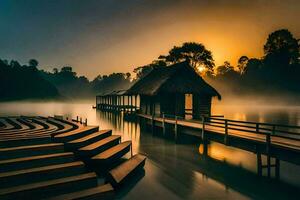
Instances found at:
x=277 y=142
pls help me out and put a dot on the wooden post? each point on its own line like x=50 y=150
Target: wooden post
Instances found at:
x=110 y=103
x=77 y=119
x=117 y=103
x=277 y=168
x=146 y=103
x=152 y=124
x=259 y=164
x=257 y=127
x=226 y=132
x=268 y=143
x=176 y=129
x=80 y=120
x=86 y=121
x=203 y=128
x=131 y=104
x=123 y=98
x=153 y=108
x=135 y=102
x=164 y=125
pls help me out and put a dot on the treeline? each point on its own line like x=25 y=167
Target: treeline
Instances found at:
x=277 y=72
x=24 y=82
x=79 y=87
x=28 y=82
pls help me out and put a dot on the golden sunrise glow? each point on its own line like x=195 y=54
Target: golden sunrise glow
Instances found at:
x=201 y=69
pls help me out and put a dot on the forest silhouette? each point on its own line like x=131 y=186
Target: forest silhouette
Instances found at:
x=277 y=72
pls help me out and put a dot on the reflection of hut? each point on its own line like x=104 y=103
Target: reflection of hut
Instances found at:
x=165 y=90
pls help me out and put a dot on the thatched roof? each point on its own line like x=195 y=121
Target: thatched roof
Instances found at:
x=113 y=93
x=177 y=78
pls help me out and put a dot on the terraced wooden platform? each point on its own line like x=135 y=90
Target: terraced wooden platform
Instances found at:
x=51 y=158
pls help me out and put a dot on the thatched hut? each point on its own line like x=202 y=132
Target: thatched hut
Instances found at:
x=164 y=90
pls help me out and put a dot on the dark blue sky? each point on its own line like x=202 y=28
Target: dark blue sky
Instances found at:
x=103 y=36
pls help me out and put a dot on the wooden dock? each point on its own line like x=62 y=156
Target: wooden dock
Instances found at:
x=118 y=101
x=277 y=142
x=40 y=158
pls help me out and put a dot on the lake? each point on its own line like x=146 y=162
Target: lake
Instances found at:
x=179 y=171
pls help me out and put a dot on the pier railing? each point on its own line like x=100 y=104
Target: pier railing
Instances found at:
x=266 y=136
x=218 y=123
x=278 y=130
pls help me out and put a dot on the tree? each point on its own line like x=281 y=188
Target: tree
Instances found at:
x=282 y=48
x=146 y=69
x=55 y=70
x=127 y=76
x=66 y=69
x=253 y=66
x=33 y=63
x=223 y=69
x=242 y=64
x=199 y=57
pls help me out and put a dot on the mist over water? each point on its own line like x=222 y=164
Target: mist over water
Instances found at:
x=258 y=109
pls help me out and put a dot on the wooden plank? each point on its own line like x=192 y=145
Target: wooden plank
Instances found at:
x=30 y=150
x=113 y=153
x=30 y=175
x=100 y=192
x=121 y=173
x=99 y=146
x=103 y=133
x=76 y=134
x=35 y=161
x=48 y=188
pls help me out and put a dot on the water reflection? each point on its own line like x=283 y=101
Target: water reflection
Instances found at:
x=179 y=171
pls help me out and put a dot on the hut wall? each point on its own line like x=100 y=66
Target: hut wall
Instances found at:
x=180 y=105
x=147 y=105
x=172 y=104
x=201 y=106
x=157 y=108
x=143 y=104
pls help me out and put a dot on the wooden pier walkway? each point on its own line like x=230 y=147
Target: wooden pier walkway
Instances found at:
x=277 y=142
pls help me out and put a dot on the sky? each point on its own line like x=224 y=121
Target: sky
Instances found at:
x=105 y=36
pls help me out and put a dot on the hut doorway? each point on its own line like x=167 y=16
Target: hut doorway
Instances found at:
x=188 y=106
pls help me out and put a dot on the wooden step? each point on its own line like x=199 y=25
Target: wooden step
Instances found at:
x=46 y=189
x=7 y=126
x=75 y=134
x=24 y=141
x=99 y=146
x=100 y=192
x=35 y=161
x=2 y=125
x=41 y=123
x=13 y=123
x=112 y=154
x=30 y=150
x=123 y=172
x=89 y=139
x=24 y=121
x=63 y=127
x=31 y=175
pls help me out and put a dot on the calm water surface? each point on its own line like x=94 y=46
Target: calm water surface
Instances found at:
x=179 y=171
